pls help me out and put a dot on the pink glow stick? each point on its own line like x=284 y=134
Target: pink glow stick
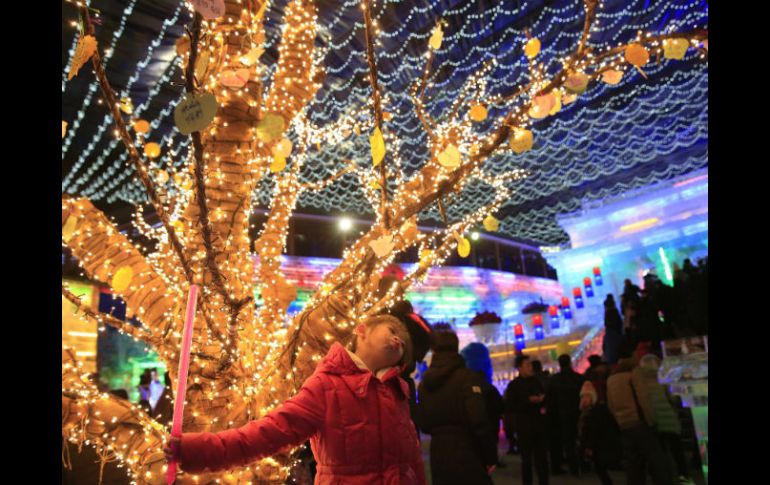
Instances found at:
x=181 y=387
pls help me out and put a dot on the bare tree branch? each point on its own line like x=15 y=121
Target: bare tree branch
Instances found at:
x=133 y=153
x=372 y=62
x=148 y=337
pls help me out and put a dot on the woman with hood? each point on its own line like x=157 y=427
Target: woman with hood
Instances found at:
x=451 y=408
x=477 y=359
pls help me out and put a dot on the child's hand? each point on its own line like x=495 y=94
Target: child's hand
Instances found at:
x=173 y=448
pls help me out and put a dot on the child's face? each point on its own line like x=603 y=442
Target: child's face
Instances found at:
x=383 y=343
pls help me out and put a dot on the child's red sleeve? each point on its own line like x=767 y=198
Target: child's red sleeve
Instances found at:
x=290 y=424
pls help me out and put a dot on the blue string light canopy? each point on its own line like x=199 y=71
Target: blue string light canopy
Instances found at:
x=648 y=127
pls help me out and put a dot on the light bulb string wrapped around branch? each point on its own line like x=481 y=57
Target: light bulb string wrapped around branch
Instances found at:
x=145 y=336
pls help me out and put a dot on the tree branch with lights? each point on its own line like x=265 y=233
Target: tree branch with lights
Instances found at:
x=329 y=312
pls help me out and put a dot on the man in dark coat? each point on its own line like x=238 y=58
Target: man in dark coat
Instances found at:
x=451 y=408
x=565 y=389
x=552 y=425
x=525 y=396
x=613 y=330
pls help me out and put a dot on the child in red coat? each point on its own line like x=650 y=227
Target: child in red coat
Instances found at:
x=354 y=409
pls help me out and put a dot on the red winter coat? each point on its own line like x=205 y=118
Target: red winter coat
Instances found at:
x=359 y=429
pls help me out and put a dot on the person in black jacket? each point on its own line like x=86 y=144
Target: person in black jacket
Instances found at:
x=525 y=396
x=164 y=408
x=477 y=359
x=451 y=408
x=598 y=433
x=565 y=390
x=613 y=330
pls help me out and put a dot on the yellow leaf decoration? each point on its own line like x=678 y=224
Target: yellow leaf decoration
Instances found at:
x=557 y=103
x=63 y=129
x=83 y=52
x=202 y=65
x=122 y=279
x=569 y=98
x=251 y=57
x=234 y=78
x=68 y=229
x=279 y=163
x=463 y=247
x=450 y=157
x=637 y=55
x=126 y=105
x=478 y=112
x=378 y=146
x=152 y=150
x=409 y=229
x=162 y=177
x=426 y=257
x=282 y=148
x=675 y=48
x=141 y=126
x=270 y=128
x=382 y=246
x=521 y=140
x=183 y=182
x=542 y=106
x=436 y=37
x=491 y=224
x=612 y=76
x=195 y=112
x=576 y=83
x=532 y=48
x=375 y=185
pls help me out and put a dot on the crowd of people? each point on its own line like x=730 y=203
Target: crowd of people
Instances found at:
x=611 y=417
x=362 y=417
x=657 y=311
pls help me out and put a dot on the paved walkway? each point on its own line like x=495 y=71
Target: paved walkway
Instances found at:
x=511 y=474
